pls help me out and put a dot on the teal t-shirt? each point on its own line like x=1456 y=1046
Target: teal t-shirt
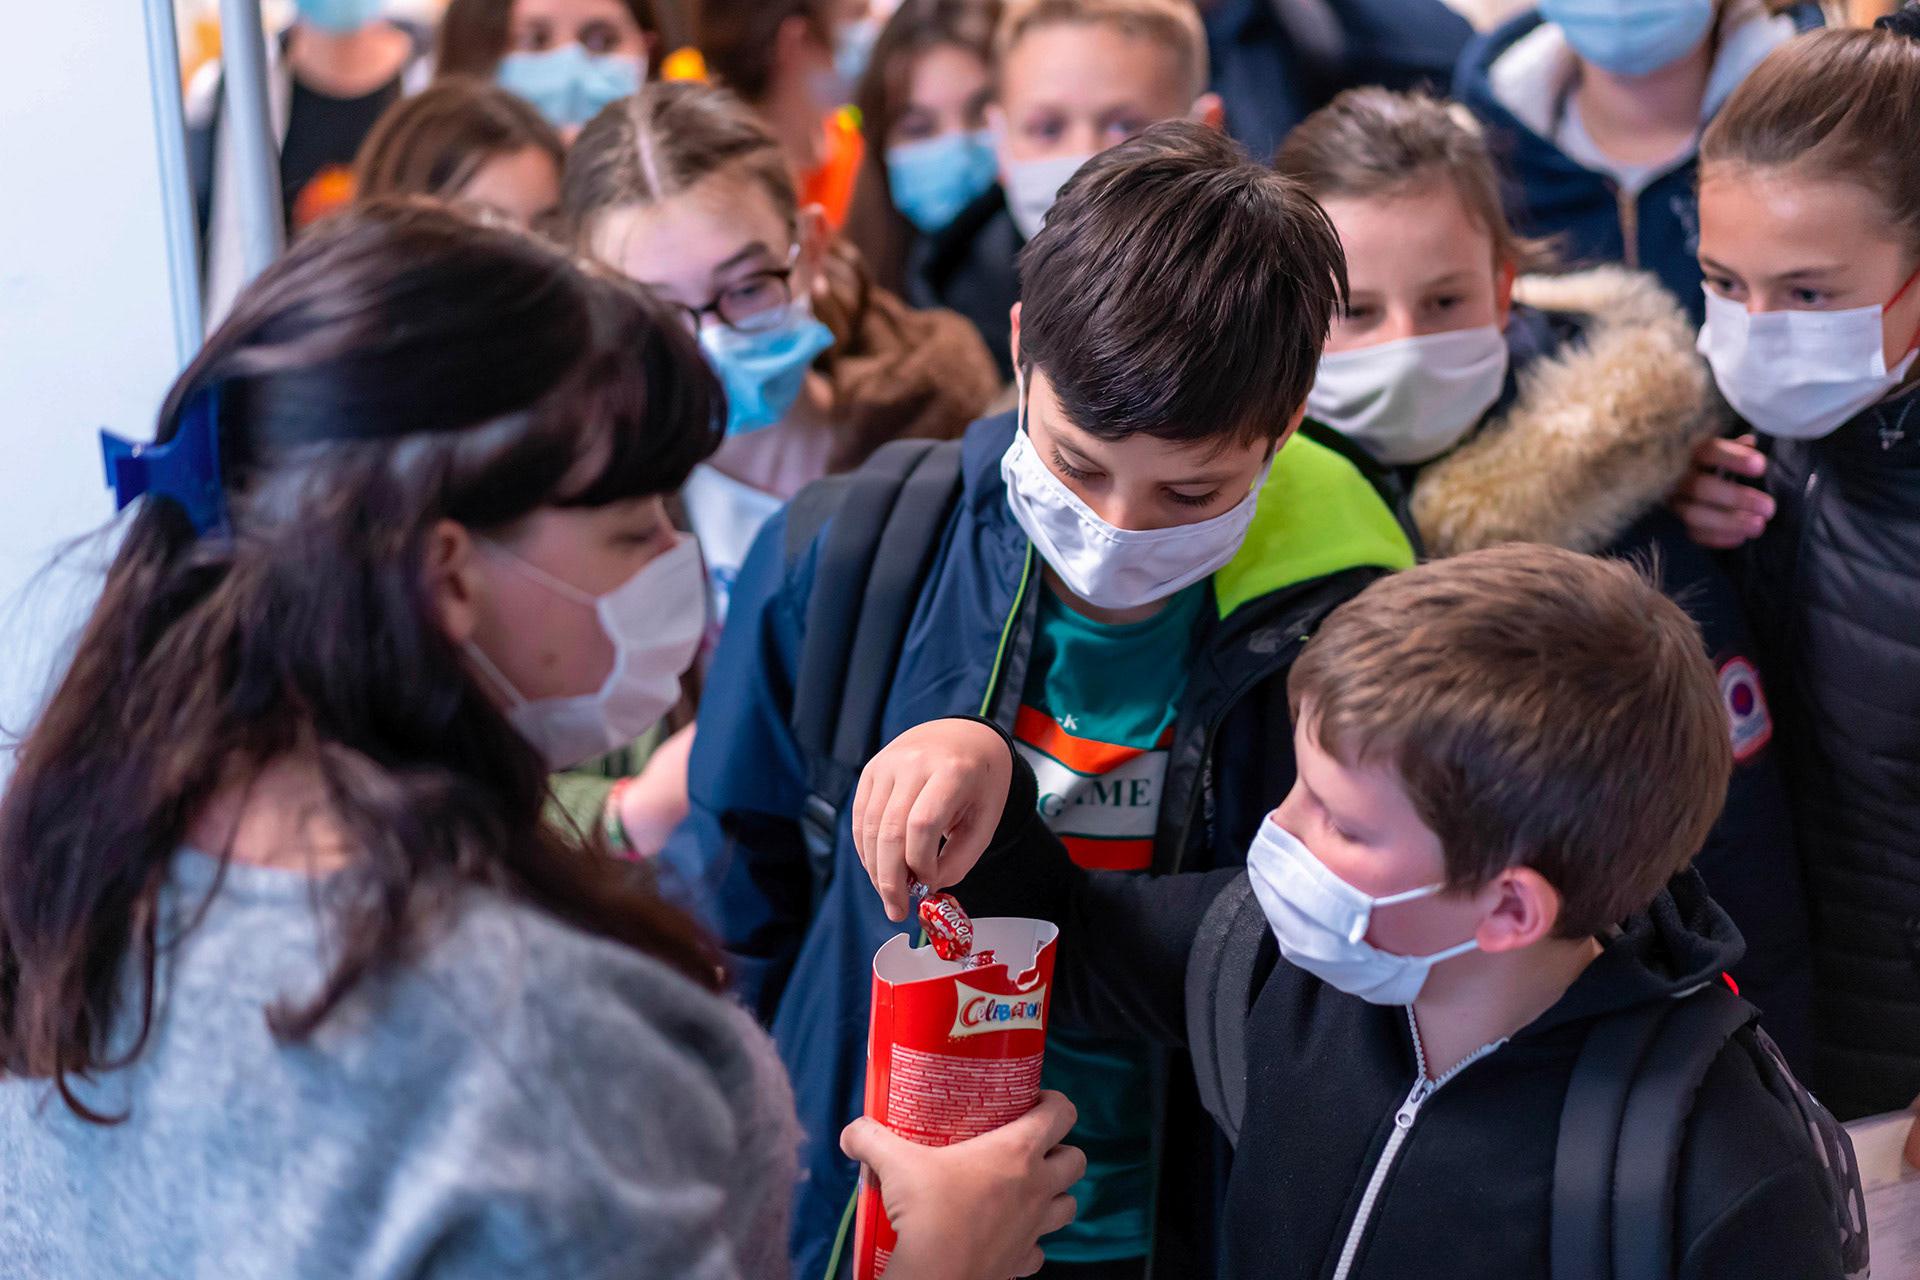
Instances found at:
x=1096 y=723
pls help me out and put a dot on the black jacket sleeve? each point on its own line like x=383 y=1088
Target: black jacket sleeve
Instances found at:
x=1124 y=937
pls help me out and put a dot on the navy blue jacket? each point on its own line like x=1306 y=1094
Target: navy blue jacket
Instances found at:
x=1321 y=533
x=1554 y=195
x=1271 y=78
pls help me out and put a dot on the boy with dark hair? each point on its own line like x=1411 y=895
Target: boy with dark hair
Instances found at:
x=1120 y=574
x=1501 y=757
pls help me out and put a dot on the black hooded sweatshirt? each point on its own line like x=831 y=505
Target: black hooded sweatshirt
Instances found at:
x=1321 y=1188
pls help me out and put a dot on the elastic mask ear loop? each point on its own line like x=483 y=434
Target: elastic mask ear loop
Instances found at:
x=1894 y=301
x=492 y=672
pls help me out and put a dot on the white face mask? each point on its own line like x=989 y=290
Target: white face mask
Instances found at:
x=654 y=620
x=1032 y=186
x=1321 y=922
x=1799 y=374
x=1410 y=401
x=1110 y=567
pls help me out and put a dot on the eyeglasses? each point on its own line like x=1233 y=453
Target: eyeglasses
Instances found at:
x=751 y=304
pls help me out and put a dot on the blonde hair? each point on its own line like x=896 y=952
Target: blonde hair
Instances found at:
x=1174 y=25
x=1839 y=105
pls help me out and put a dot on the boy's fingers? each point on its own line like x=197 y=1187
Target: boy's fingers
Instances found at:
x=1060 y=1212
x=861 y=793
x=884 y=869
x=1048 y=1124
x=872 y=1144
x=1065 y=1166
x=1031 y=1264
x=890 y=845
x=935 y=815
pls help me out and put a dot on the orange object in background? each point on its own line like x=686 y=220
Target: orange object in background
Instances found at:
x=831 y=185
x=684 y=64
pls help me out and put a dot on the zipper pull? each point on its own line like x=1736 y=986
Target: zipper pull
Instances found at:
x=1403 y=1118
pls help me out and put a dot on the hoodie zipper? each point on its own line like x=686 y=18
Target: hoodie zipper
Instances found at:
x=1403 y=1119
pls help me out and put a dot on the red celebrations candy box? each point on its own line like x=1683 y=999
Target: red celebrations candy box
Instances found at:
x=953 y=1051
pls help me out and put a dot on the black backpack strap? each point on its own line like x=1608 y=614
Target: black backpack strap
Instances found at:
x=1223 y=972
x=1580 y=1226
x=1647 y=1165
x=1616 y=1163
x=858 y=612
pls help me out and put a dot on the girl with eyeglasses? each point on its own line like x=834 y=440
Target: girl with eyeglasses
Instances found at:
x=683 y=189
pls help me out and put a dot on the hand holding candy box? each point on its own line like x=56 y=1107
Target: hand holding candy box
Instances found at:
x=955 y=1042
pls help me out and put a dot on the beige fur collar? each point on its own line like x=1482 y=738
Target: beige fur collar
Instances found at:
x=1599 y=432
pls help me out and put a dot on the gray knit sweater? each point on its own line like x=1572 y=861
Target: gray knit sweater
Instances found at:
x=523 y=1100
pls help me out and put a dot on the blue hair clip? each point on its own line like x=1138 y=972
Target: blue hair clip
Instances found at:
x=185 y=470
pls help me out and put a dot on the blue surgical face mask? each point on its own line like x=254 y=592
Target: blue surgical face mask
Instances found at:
x=763 y=370
x=933 y=180
x=568 y=85
x=1631 y=37
x=339 y=16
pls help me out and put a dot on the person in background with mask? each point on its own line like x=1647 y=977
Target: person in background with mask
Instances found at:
x=1122 y=583
x=569 y=58
x=1810 y=243
x=923 y=103
x=330 y=76
x=1274 y=61
x=469 y=142
x=681 y=189
x=1555 y=409
x=1596 y=107
x=1071 y=78
x=796 y=63
x=320 y=992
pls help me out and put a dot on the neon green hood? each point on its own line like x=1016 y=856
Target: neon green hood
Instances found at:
x=1317 y=515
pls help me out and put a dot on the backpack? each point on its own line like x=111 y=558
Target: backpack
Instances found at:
x=1617 y=1159
x=901 y=498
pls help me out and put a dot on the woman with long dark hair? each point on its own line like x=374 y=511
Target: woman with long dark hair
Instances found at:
x=294 y=978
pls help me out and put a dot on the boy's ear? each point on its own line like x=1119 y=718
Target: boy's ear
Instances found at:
x=1013 y=318
x=1210 y=111
x=1525 y=909
x=453 y=579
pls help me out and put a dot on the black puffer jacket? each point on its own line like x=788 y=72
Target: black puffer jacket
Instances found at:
x=1834 y=590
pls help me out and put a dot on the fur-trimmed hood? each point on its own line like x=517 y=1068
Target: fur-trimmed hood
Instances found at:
x=1597 y=433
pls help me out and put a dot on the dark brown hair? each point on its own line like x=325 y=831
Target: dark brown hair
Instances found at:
x=399 y=367
x=673 y=135
x=474 y=33
x=916 y=28
x=433 y=143
x=1180 y=290
x=1840 y=105
x=1372 y=143
x=1542 y=708
x=738 y=37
